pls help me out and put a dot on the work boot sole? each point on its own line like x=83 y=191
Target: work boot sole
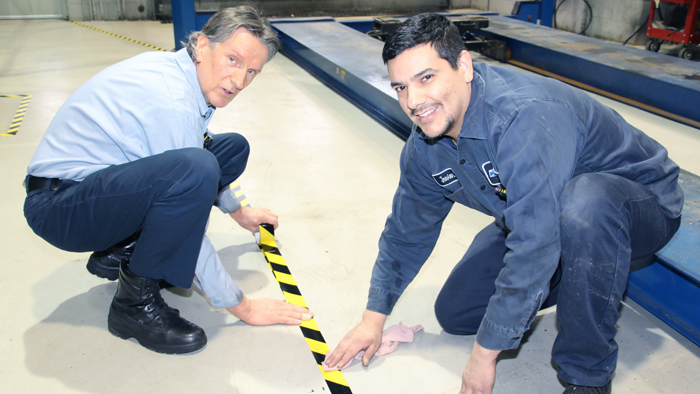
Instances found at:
x=117 y=327
x=99 y=269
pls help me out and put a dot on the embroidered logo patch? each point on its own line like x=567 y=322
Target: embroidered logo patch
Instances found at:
x=445 y=177
x=491 y=174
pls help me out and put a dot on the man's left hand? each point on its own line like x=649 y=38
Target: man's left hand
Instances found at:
x=250 y=218
x=480 y=373
x=266 y=312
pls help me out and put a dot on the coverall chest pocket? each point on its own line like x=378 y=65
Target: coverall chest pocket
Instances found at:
x=460 y=196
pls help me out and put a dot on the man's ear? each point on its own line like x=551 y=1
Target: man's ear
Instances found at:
x=202 y=44
x=464 y=62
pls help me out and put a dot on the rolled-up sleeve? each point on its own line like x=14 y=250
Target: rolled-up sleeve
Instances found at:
x=418 y=211
x=226 y=201
x=536 y=157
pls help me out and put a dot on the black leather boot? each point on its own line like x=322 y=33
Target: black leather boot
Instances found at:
x=139 y=311
x=105 y=264
x=573 y=389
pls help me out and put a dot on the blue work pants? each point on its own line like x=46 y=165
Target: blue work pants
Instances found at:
x=167 y=197
x=606 y=221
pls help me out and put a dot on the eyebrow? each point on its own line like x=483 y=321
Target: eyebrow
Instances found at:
x=413 y=78
x=235 y=53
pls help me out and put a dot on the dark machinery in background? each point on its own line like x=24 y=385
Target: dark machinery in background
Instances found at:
x=677 y=23
x=164 y=11
x=309 y=8
x=467 y=24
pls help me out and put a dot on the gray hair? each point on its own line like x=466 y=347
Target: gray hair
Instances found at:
x=225 y=22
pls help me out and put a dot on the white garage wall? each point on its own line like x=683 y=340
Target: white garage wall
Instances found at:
x=37 y=9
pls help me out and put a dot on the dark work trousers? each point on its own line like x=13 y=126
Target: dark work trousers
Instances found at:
x=168 y=197
x=606 y=221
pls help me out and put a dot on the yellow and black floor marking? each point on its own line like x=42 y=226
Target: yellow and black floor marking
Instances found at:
x=19 y=115
x=335 y=380
x=122 y=37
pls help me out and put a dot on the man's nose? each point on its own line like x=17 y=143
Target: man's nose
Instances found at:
x=414 y=98
x=238 y=79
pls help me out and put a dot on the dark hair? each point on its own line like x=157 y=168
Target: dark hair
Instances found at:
x=224 y=23
x=427 y=28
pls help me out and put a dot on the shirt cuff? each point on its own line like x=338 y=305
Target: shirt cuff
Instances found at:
x=213 y=280
x=493 y=336
x=381 y=300
x=227 y=202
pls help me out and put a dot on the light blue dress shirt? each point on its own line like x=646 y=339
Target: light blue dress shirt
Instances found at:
x=137 y=108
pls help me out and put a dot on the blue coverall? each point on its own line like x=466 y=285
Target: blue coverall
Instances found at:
x=576 y=193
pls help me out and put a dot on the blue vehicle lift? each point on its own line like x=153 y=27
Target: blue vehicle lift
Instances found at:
x=349 y=61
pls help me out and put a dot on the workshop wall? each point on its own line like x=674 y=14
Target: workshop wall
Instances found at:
x=78 y=10
x=43 y=9
x=331 y=7
x=112 y=10
x=612 y=20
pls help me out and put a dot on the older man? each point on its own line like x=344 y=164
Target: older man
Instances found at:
x=127 y=168
x=576 y=193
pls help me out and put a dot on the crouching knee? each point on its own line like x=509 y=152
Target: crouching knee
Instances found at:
x=196 y=170
x=455 y=321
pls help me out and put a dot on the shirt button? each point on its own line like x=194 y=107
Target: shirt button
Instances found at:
x=462 y=161
x=483 y=187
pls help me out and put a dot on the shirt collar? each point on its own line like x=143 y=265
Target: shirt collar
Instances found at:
x=470 y=124
x=187 y=65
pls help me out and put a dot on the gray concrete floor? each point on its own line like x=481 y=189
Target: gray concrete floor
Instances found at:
x=330 y=172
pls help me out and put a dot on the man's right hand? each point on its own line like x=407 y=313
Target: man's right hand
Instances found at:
x=365 y=336
x=250 y=218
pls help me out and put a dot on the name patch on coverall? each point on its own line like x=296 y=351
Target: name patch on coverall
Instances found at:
x=445 y=177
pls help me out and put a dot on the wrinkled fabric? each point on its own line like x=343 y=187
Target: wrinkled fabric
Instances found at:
x=392 y=337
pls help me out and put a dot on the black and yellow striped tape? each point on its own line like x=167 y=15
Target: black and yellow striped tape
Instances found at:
x=122 y=37
x=335 y=380
x=19 y=115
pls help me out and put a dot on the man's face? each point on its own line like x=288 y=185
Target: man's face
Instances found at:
x=433 y=94
x=224 y=70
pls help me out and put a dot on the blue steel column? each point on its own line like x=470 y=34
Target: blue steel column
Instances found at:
x=184 y=17
x=547 y=12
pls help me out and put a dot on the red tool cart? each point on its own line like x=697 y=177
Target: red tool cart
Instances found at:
x=689 y=36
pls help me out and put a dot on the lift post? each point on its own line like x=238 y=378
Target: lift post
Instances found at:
x=187 y=20
x=540 y=12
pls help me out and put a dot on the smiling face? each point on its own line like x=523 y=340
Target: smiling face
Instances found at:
x=226 y=68
x=433 y=94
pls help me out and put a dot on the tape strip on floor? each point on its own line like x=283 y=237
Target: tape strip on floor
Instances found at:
x=335 y=380
x=19 y=115
x=122 y=37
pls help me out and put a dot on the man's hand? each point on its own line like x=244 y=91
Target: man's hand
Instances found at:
x=365 y=336
x=480 y=373
x=250 y=218
x=265 y=312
